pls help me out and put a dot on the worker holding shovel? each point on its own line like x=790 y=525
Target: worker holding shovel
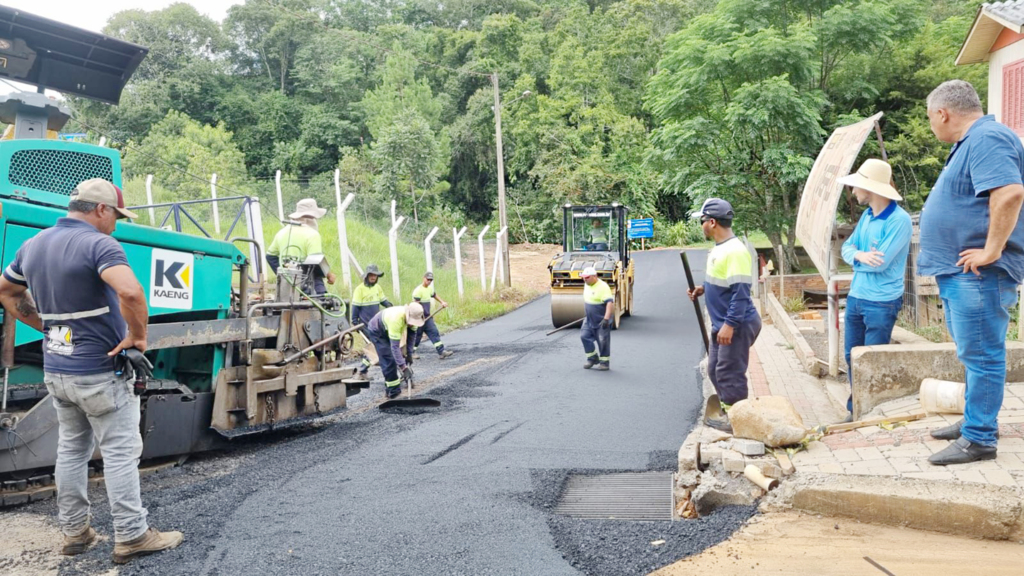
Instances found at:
x=425 y=294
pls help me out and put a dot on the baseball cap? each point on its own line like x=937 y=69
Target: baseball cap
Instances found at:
x=714 y=208
x=429 y=275
x=102 y=191
x=589 y=271
x=414 y=314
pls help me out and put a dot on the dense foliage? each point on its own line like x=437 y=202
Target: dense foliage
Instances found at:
x=653 y=103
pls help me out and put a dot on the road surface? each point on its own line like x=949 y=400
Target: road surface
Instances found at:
x=467 y=488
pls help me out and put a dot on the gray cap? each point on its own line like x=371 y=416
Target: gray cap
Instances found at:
x=372 y=269
x=429 y=275
x=714 y=208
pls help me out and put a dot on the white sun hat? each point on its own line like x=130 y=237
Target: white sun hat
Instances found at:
x=307 y=207
x=874 y=175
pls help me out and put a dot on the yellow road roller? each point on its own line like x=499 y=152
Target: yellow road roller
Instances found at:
x=591 y=236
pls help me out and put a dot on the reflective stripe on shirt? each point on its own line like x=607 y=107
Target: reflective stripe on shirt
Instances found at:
x=76 y=315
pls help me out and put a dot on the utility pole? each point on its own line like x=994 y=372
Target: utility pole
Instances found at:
x=502 y=218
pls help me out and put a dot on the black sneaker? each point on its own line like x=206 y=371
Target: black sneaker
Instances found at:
x=962 y=451
x=951 y=432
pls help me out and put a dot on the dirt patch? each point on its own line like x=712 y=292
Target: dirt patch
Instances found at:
x=794 y=543
x=528 y=263
x=29 y=545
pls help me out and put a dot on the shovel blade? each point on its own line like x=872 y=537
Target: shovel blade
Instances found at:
x=410 y=403
x=713 y=409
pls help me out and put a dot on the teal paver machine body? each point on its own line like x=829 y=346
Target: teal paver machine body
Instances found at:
x=228 y=360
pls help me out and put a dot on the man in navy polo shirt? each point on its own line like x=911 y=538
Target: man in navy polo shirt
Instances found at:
x=972 y=241
x=80 y=285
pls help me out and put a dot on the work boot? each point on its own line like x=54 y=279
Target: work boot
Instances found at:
x=590 y=364
x=603 y=367
x=415 y=355
x=446 y=354
x=150 y=542
x=74 y=545
x=962 y=451
x=393 y=392
x=722 y=423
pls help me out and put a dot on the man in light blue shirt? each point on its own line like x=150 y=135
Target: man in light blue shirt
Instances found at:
x=877 y=250
x=972 y=241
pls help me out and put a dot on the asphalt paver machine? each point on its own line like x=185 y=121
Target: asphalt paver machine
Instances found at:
x=229 y=360
x=591 y=236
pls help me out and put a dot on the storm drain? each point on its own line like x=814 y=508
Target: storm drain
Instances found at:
x=630 y=496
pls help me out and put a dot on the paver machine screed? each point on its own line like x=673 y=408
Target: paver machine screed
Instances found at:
x=591 y=236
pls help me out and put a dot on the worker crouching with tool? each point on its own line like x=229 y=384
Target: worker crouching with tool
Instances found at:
x=72 y=282
x=385 y=330
x=425 y=294
x=596 y=334
x=735 y=323
x=367 y=298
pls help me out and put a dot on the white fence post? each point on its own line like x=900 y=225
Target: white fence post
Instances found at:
x=254 y=222
x=458 y=258
x=393 y=204
x=346 y=273
x=216 y=212
x=393 y=241
x=149 y=199
x=483 y=269
x=103 y=141
x=497 y=257
x=280 y=202
x=426 y=249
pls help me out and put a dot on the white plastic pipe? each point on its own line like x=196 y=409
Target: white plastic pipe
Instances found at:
x=346 y=273
x=149 y=199
x=483 y=269
x=458 y=257
x=216 y=212
x=498 y=256
x=393 y=241
x=426 y=249
x=280 y=202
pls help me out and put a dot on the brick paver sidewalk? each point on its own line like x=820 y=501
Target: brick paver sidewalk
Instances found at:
x=874 y=451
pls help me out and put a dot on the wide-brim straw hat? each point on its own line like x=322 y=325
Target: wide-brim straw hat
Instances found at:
x=307 y=208
x=874 y=175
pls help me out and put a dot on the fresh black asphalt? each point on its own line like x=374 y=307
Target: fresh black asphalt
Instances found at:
x=464 y=489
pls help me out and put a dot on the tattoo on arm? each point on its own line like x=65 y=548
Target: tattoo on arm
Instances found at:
x=26 y=306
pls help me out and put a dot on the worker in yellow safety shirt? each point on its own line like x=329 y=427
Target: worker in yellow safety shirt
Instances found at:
x=367 y=299
x=385 y=331
x=599 y=308
x=598 y=236
x=299 y=240
x=425 y=295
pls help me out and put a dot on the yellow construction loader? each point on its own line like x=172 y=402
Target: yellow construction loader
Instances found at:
x=591 y=236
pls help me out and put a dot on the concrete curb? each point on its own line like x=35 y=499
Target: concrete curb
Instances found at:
x=965 y=509
x=792 y=334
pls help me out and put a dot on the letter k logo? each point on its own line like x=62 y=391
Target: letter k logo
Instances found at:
x=169 y=275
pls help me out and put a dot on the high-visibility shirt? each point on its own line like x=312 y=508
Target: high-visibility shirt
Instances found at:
x=296 y=243
x=394 y=322
x=598 y=235
x=423 y=293
x=365 y=295
x=727 y=285
x=595 y=297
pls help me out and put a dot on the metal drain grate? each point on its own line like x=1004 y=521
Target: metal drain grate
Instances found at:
x=631 y=496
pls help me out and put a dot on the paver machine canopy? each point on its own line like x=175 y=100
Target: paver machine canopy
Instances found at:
x=592 y=236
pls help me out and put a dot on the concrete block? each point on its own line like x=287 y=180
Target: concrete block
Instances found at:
x=709 y=454
x=767 y=467
x=715 y=492
x=733 y=461
x=748 y=447
x=687 y=479
x=689 y=452
x=882 y=373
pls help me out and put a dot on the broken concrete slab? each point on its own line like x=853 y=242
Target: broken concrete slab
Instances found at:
x=715 y=492
x=882 y=373
x=769 y=419
x=747 y=447
x=975 y=510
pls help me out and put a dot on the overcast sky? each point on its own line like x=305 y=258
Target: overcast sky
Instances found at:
x=93 y=14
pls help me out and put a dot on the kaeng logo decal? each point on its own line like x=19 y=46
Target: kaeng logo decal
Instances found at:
x=171 y=280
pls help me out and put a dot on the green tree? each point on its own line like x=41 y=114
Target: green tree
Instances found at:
x=410 y=159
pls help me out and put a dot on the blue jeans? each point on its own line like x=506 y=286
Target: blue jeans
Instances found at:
x=977 y=312
x=103 y=408
x=868 y=323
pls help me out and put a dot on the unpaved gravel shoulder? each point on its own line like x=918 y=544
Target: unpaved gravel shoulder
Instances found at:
x=29 y=544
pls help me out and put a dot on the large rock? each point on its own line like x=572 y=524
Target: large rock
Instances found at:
x=769 y=419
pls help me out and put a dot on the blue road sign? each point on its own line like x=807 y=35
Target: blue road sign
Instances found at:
x=641 y=228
